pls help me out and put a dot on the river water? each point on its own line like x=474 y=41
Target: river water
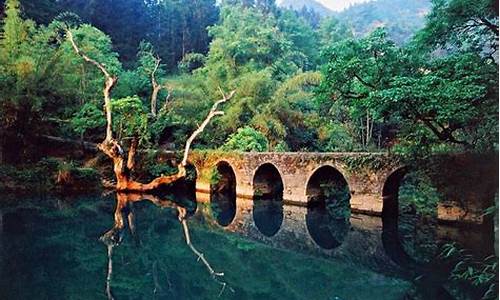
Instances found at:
x=53 y=248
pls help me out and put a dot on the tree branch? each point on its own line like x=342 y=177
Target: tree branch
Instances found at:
x=109 y=83
x=363 y=81
x=156 y=87
x=124 y=209
x=201 y=257
x=490 y=26
x=110 y=272
x=213 y=112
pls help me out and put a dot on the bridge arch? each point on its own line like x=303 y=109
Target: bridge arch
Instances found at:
x=223 y=193
x=390 y=217
x=328 y=206
x=267 y=179
x=268 y=187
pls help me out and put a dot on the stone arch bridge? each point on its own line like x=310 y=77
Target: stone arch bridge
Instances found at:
x=372 y=178
x=365 y=174
x=240 y=189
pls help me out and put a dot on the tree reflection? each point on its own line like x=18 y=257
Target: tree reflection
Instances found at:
x=125 y=215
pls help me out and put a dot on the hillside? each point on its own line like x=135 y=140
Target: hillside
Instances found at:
x=310 y=4
x=402 y=18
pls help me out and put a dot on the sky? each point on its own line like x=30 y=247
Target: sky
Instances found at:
x=338 y=5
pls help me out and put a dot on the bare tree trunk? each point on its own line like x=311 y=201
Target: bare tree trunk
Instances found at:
x=109 y=275
x=362 y=134
x=109 y=83
x=213 y=112
x=367 y=127
x=156 y=87
x=123 y=165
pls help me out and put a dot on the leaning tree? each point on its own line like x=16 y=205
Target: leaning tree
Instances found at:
x=124 y=163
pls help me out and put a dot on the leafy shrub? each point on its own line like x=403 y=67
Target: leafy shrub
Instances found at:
x=87 y=118
x=480 y=274
x=215 y=177
x=69 y=175
x=246 y=139
x=281 y=147
x=161 y=169
x=191 y=62
x=86 y=175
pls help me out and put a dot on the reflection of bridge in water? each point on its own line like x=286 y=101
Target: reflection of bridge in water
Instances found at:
x=287 y=228
x=285 y=199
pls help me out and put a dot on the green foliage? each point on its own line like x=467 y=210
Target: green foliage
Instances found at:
x=41 y=176
x=246 y=139
x=370 y=162
x=482 y=274
x=161 y=169
x=461 y=24
x=430 y=100
x=400 y=18
x=191 y=62
x=128 y=22
x=130 y=118
x=354 y=71
x=337 y=197
x=214 y=177
x=89 y=117
x=333 y=137
x=417 y=191
x=371 y=94
x=332 y=31
x=281 y=147
x=87 y=175
x=303 y=38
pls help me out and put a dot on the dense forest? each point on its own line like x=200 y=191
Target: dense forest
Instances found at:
x=303 y=82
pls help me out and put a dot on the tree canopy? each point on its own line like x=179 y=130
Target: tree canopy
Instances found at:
x=301 y=85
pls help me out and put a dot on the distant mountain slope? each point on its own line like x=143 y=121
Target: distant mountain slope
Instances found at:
x=401 y=18
x=310 y=4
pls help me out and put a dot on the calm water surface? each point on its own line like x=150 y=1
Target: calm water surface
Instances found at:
x=50 y=248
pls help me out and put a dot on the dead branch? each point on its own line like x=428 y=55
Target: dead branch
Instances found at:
x=167 y=98
x=87 y=146
x=215 y=275
x=212 y=113
x=156 y=87
x=122 y=165
x=110 y=272
x=109 y=83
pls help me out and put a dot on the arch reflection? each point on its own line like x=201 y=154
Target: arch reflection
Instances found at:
x=409 y=234
x=328 y=207
x=268 y=199
x=223 y=193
